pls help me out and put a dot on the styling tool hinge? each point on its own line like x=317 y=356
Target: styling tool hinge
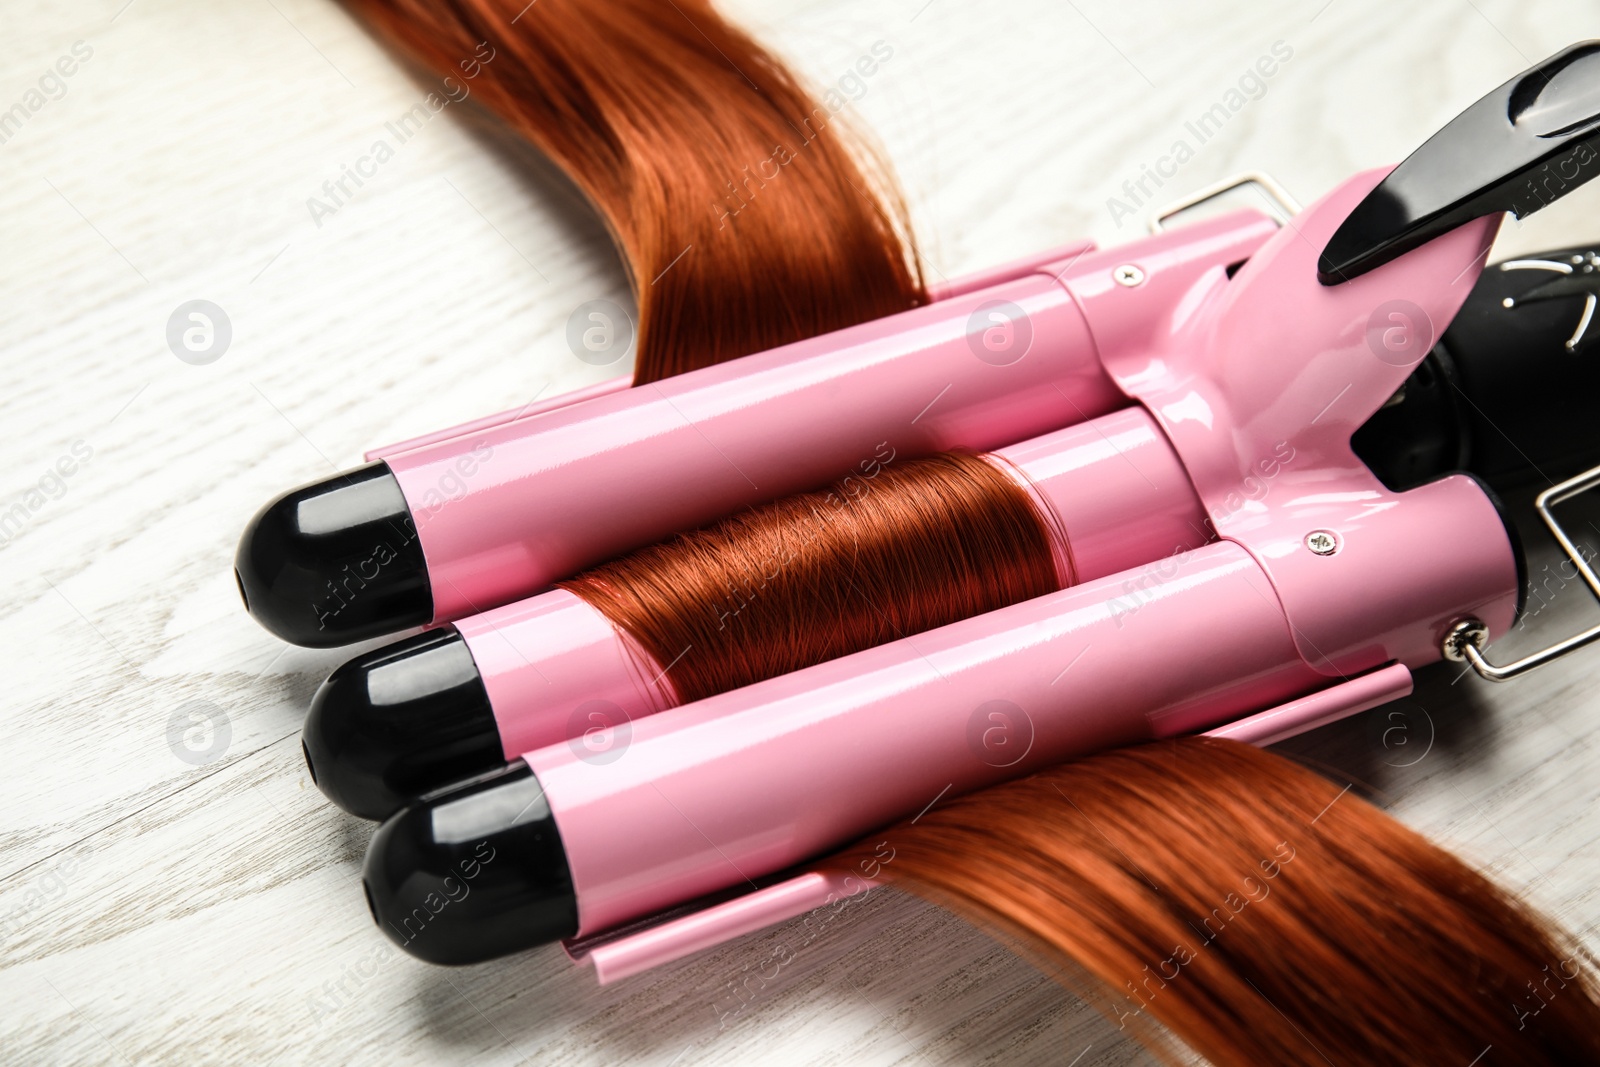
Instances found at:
x=1466 y=639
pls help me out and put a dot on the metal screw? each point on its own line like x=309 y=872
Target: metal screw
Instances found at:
x=1322 y=542
x=1128 y=275
x=1464 y=633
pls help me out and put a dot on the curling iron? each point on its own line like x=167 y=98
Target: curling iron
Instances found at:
x=1318 y=598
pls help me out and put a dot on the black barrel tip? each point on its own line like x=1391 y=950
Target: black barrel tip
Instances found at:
x=335 y=561
x=472 y=872
x=398 y=722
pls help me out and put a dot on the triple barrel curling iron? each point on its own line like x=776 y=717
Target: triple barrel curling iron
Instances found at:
x=1230 y=348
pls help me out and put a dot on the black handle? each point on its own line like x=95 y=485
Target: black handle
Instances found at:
x=1511 y=390
x=1525 y=145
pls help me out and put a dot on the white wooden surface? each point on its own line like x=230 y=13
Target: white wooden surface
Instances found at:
x=158 y=910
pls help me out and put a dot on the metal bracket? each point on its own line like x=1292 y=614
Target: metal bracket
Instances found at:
x=1466 y=639
x=1276 y=194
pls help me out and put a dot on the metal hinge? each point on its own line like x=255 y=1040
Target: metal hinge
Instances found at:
x=1466 y=639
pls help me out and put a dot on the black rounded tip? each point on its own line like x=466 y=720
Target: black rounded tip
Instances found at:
x=336 y=561
x=472 y=872
x=401 y=721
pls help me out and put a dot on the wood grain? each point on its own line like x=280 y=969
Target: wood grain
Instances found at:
x=158 y=910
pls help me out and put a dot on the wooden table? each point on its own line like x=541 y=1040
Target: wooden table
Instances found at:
x=173 y=889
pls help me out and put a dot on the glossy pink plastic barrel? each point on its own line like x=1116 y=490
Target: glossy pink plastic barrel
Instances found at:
x=749 y=783
x=675 y=935
x=549 y=495
x=968 y=283
x=1112 y=491
x=554 y=668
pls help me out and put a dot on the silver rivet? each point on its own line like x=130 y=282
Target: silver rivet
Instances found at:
x=1128 y=275
x=1508 y=302
x=1464 y=633
x=1322 y=542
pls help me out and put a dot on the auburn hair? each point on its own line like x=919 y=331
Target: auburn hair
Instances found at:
x=876 y=556
x=1254 y=909
x=745 y=216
